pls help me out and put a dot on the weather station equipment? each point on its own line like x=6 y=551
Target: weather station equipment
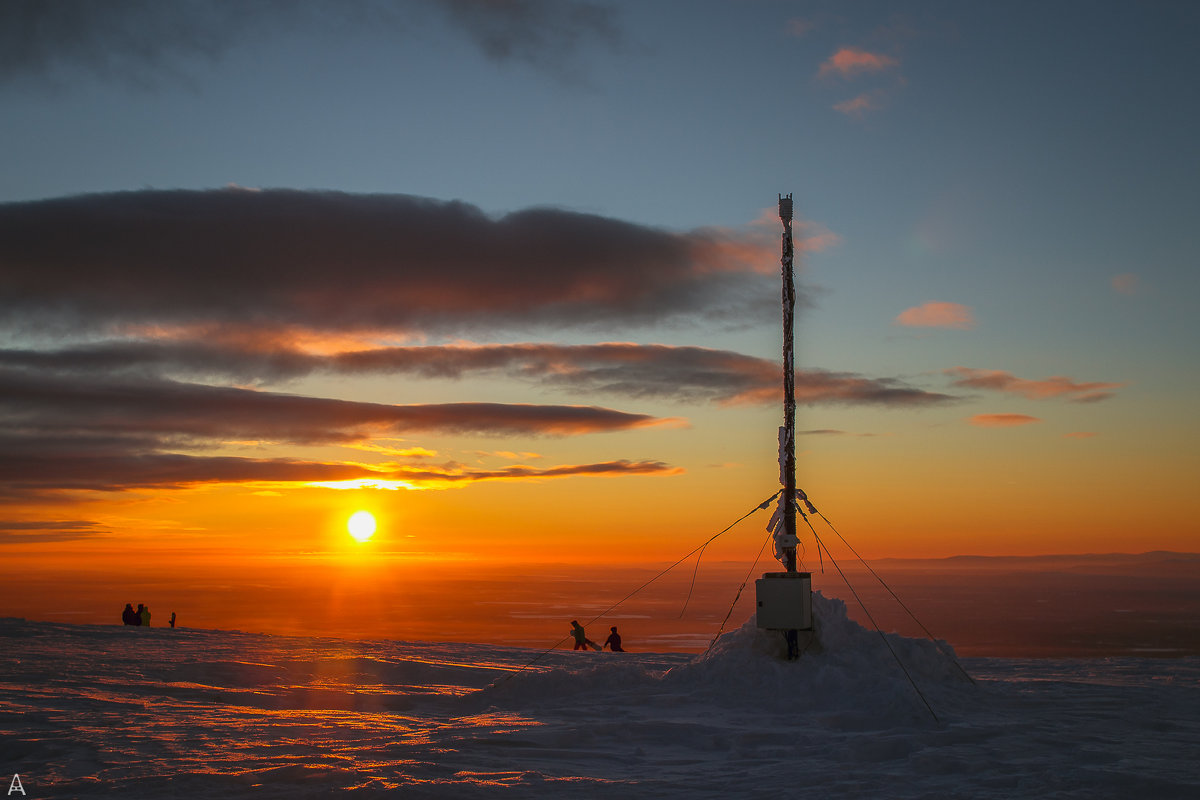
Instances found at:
x=784 y=599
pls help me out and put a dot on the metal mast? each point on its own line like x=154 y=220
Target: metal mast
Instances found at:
x=788 y=440
x=784 y=599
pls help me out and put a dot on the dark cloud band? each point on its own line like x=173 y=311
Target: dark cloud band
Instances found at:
x=144 y=42
x=629 y=370
x=330 y=261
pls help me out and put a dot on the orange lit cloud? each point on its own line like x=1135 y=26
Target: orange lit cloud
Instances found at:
x=1056 y=386
x=1002 y=420
x=808 y=236
x=508 y=454
x=936 y=314
x=850 y=61
x=860 y=105
x=1125 y=283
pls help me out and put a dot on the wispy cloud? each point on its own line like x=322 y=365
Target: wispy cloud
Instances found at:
x=820 y=387
x=41 y=531
x=1052 y=387
x=801 y=26
x=935 y=314
x=861 y=104
x=834 y=432
x=275 y=259
x=848 y=62
x=809 y=236
x=1126 y=283
x=35 y=476
x=521 y=472
x=1002 y=420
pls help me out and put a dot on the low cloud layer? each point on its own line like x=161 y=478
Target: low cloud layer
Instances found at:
x=1002 y=420
x=937 y=314
x=154 y=334
x=199 y=412
x=29 y=476
x=685 y=374
x=70 y=432
x=42 y=531
x=328 y=261
x=1057 y=386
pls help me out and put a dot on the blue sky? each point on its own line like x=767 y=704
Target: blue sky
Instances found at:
x=1030 y=166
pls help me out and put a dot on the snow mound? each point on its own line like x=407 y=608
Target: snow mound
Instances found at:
x=843 y=667
x=846 y=673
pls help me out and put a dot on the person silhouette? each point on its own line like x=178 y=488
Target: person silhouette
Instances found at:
x=145 y=614
x=613 y=642
x=129 y=616
x=137 y=615
x=581 y=640
x=172 y=619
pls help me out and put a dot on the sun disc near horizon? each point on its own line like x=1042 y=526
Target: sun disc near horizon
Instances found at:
x=361 y=525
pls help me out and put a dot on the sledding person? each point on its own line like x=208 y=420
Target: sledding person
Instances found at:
x=613 y=642
x=581 y=640
x=129 y=616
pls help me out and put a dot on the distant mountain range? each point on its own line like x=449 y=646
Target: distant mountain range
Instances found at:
x=1155 y=561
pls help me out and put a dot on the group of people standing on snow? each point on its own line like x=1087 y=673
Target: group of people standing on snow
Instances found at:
x=613 y=642
x=141 y=616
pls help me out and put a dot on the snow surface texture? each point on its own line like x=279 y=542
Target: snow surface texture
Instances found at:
x=98 y=711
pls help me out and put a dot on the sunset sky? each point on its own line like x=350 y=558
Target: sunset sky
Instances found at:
x=506 y=275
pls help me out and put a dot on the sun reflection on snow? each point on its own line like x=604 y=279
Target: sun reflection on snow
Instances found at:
x=497 y=722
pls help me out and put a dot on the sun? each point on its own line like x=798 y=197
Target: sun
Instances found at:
x=361 y=525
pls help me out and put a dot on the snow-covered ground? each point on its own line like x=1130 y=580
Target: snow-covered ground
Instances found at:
x=108 y=711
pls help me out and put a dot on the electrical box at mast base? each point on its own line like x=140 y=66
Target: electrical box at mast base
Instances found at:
x=784 y=601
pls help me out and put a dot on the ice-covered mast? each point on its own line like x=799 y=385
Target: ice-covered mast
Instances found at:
x=787 y=438
x=785 y=598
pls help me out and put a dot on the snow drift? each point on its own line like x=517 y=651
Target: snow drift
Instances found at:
x=101 y=711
